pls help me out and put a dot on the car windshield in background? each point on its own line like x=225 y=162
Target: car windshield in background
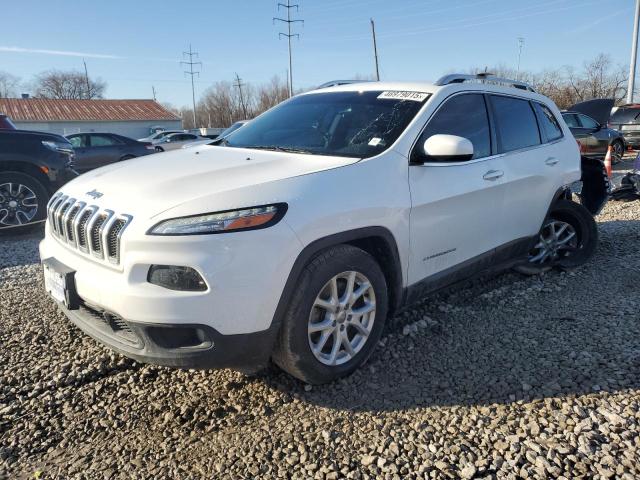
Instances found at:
x=349 y=124
x=623 y=115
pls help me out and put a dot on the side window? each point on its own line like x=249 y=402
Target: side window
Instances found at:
x=77 y=141
x=548 y=122
x=516 y=123
x=571 y=120
x=465 y=116
x=102 y=141
x=588 y=122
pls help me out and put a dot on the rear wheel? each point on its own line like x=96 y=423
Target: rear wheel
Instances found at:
x=618 y=150
x=335 y=318
x=23 y=201
x=568 y=239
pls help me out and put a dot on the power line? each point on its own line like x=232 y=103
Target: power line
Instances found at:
x=239 y=84
x=192 y=72
x=289 y=21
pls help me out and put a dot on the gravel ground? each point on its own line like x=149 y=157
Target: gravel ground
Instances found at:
x=510 y=377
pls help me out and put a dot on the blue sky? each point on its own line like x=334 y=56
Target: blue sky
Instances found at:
x=133 y=45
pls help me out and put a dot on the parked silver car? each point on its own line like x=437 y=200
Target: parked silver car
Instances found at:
x=174 y=141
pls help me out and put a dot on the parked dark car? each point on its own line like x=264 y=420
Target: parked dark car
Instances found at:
x=95 y=150
x=6 y=123
x=33 y=165
x=626 y=119
x=588 y=122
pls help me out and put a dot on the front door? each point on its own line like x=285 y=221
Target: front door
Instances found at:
x=456 y=206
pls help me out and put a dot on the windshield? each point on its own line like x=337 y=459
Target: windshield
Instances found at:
x=350 y=124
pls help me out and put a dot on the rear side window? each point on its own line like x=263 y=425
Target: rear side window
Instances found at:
x=548 y=122
x=588 y=122
x=624 y=115
x=103 y=141
x=516 y=123
x=465 y=116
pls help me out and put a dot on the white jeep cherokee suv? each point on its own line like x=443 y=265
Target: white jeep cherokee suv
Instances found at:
x=302 y=232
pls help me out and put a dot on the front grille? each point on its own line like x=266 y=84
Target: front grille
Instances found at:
x=110 y=322
x=87 y=228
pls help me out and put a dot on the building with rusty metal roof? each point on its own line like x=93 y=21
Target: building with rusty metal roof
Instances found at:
x=131 y=118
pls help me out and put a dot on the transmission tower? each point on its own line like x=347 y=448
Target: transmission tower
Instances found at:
x=190 y=64
x=239 y=84
x=288 y=35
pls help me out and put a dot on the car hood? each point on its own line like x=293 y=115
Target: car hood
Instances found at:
x=599 y=109
x=152 y=184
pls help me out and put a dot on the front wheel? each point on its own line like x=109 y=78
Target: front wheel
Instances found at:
x=618 y=151
x=159 y=149
x=23 y=202
x=335 y=318
x=568 y=239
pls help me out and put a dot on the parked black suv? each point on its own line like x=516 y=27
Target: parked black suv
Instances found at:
x=627 y=119
x=33 y=165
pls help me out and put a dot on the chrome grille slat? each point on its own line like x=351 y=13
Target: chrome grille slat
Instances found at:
x=87 y=228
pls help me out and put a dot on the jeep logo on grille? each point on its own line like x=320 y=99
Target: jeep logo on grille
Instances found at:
x=94 y=194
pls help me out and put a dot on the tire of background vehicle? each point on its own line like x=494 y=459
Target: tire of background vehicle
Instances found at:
x=618 y=150
x=42 y=197
x=159 y=149
x=127 y=157
x=586 y=231
x=293 y=351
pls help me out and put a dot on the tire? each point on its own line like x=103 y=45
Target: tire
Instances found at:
x=23 y=202
x=159 y=149
x=618 y=150
x=293 y=351
x=566 y=218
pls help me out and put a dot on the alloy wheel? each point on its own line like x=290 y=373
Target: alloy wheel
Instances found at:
x=341 y=318
x=618 y=151
x=18 y=204
x=557 y=239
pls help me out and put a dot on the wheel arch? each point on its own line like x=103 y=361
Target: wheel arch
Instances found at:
x=379 y=242
x=28 y=169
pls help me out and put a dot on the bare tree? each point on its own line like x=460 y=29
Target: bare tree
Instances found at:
x=8 y=85
x=70 y=85
x=598 y=78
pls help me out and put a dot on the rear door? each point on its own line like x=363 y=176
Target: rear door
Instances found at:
x=533 y=163
x=456 y=206
x=105 y=149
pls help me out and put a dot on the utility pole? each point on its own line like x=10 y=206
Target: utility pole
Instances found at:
x=239 y=84
x=375 y=48
x=520 y=45
x=288 y=21
x=191 y=54
x=153 y=89
x=86 y=79
x=634 y=54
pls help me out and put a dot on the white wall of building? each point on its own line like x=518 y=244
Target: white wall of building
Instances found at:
x=128 y=128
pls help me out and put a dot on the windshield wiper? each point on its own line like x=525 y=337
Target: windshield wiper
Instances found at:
x=276 y=148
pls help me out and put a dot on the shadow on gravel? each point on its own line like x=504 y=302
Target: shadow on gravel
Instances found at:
x=505 y=339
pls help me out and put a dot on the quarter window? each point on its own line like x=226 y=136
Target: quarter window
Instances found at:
x=516 y=123
x=465 y=116
x=548 y=122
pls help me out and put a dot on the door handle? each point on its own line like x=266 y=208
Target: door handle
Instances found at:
x=493 y=175
x=551 y=161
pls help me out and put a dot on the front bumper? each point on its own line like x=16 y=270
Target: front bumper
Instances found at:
x=175 y=345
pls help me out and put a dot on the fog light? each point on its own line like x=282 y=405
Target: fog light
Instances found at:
x=185 y=279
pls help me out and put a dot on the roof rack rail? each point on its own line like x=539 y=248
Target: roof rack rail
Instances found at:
x=482 y=77
x=335 y=83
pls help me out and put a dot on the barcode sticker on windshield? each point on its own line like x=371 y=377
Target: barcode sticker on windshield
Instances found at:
x=400 y=95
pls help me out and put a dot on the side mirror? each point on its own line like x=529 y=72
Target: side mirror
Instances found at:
x=448 y=148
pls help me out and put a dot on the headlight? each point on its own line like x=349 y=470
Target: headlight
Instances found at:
x=58 y=146
x=220 y=222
